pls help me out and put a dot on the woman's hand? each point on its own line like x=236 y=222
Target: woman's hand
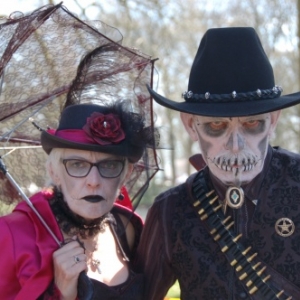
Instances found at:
x=69 y=261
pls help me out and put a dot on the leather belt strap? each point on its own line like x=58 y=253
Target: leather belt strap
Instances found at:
x=251 y=274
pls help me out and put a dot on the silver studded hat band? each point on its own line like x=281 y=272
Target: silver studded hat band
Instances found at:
x=275 y=92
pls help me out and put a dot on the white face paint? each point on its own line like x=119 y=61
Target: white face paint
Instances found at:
x=91 y=196
x=234 y=148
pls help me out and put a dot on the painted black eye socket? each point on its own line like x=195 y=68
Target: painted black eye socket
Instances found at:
x=215 y=129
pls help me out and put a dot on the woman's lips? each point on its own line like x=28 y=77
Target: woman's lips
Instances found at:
x=93 y=198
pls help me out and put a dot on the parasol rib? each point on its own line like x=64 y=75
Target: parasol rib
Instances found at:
x=23 y=195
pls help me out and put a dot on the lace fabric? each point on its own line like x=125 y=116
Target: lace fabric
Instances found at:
x=40 y=53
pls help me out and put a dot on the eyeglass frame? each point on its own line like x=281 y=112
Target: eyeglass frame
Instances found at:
x=65 y=161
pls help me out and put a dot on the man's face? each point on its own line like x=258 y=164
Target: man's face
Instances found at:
x=234 y=148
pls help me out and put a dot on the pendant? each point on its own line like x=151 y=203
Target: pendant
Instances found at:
x=96 y=264
x=234 y=197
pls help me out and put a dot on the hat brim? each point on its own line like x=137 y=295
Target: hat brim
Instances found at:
x=228 y=109
x=50 y=141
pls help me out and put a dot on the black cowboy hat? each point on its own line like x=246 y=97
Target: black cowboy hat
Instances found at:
x=92 y=127
x=231 y=76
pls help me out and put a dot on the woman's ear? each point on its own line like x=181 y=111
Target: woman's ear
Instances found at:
x=188 y=122
x=53 y=174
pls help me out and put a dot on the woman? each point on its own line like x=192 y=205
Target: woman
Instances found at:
x=101 y=144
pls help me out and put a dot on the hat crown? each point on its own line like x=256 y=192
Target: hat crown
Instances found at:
x=230 y=59
x=75 y=116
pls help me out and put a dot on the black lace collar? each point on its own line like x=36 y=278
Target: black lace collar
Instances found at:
x=73 y=224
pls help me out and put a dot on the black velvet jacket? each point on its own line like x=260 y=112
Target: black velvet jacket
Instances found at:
x=176 y=245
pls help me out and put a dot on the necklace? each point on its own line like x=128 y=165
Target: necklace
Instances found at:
x=96 y=264
x=234 y=194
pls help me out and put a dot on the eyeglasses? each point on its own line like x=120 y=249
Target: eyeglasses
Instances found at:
x=110 y=168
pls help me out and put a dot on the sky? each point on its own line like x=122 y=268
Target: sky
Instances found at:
x=9 y=6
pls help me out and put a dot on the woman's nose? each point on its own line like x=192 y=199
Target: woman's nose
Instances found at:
x=93 y=178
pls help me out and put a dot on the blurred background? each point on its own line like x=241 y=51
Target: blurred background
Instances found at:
x=171 y=31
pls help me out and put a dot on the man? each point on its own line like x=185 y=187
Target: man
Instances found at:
x=231 y=231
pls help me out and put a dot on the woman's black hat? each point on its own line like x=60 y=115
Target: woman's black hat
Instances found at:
x=93 y=127
x=108 y=108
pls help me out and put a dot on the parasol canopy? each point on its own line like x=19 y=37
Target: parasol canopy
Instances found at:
x=40 y=53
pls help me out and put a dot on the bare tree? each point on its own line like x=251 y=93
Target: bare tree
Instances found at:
x=171 y=31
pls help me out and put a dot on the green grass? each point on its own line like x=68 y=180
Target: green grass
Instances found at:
x=174 y=291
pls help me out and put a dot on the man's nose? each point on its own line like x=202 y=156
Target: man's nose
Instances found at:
x=235 y=142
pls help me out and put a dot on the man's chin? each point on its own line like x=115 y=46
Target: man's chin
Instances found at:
x=234 y=183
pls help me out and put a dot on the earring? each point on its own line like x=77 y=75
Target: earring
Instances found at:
x=121 y=197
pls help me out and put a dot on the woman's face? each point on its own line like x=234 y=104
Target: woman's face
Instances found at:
x=91 y=196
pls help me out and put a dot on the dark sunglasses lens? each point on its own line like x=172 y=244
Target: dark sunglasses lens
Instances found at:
x=110 y=168
x=77 y=168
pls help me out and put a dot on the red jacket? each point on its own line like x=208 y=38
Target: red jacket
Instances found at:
x=26 y=268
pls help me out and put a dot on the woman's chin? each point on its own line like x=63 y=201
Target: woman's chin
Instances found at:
x=90 y=215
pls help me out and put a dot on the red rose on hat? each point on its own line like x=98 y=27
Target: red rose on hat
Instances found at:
x=104 y=129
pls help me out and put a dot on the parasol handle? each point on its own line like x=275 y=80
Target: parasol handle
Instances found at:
x=27 y=200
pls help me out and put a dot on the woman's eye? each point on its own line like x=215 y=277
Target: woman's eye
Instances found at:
x=78 y=164
x=108 y=164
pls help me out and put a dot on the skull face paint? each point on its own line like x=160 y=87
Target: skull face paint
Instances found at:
x=234 y=148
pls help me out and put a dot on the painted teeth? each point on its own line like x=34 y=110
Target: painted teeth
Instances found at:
x=227 y=165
